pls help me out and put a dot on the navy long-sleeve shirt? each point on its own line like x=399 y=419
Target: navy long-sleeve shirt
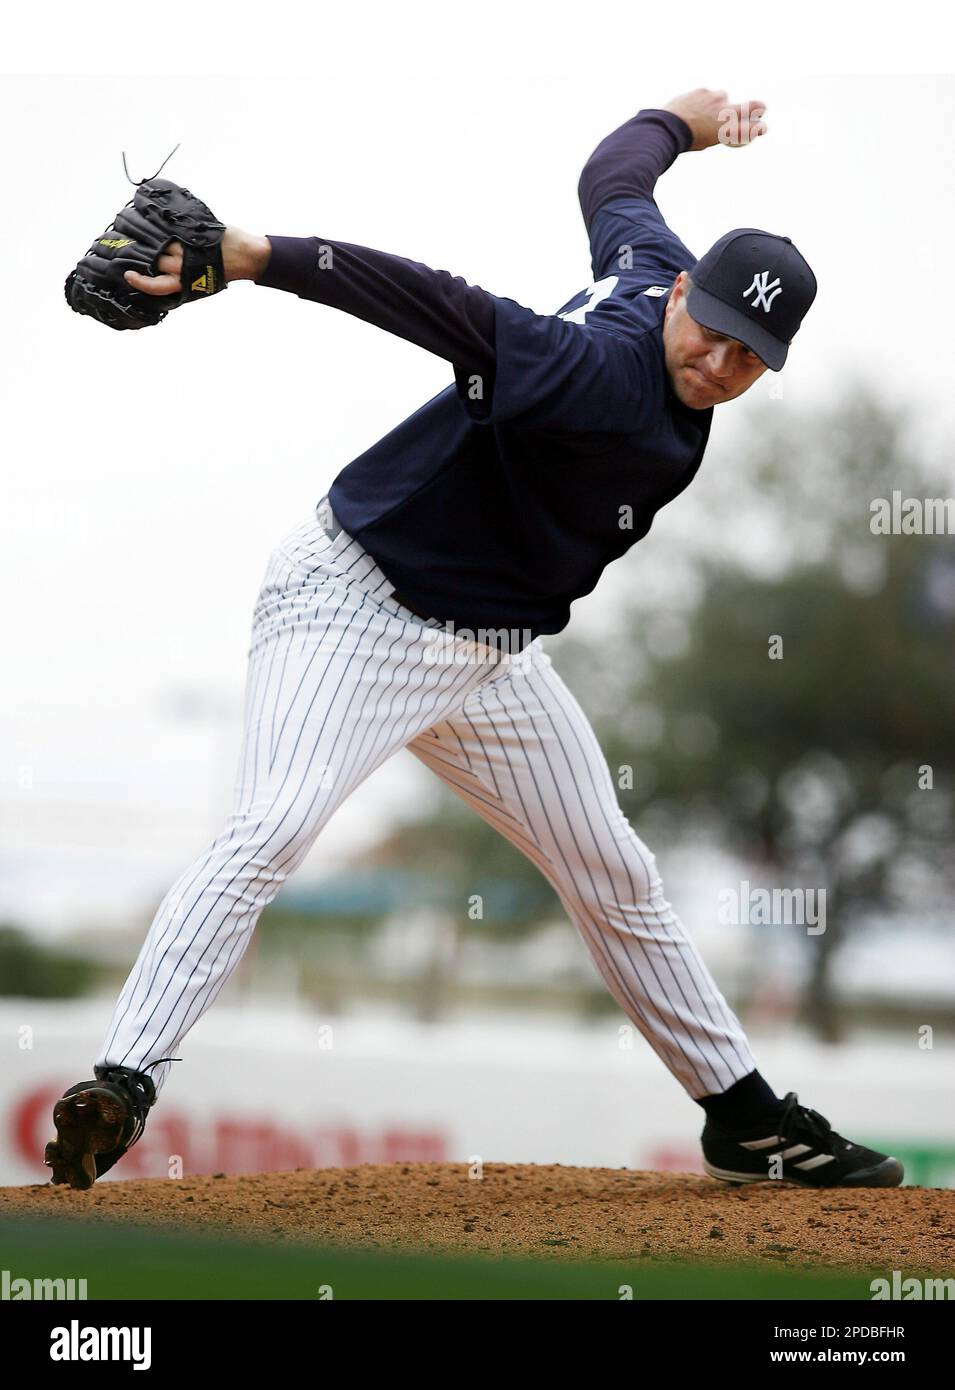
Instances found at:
x=502 y=499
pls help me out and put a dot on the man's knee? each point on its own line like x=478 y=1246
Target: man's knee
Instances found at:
x=275 y=831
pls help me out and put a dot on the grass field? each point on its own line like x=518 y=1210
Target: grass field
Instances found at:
x=120 y=1262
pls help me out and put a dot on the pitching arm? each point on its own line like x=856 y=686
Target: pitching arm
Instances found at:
x=629 y=161
x=617 y=185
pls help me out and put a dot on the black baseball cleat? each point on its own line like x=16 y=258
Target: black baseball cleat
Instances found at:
x=96 y=1123
x=813 y=1154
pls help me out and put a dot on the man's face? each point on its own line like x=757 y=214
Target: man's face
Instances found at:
x=704 y=367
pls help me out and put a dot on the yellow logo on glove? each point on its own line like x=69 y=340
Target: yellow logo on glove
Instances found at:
x=116 y=242
x=206 y=283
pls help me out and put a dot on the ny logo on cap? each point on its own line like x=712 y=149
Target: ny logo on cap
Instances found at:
x=760 y=288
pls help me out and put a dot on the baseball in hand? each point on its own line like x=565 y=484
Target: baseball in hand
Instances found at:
x=715 y=120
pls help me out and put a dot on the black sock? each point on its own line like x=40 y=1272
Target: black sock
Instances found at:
x=747 y=1101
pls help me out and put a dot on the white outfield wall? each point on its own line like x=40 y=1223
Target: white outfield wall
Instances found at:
x=259 y=1090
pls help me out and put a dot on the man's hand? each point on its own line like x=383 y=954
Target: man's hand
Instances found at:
x=244 y=257
x=714 y=120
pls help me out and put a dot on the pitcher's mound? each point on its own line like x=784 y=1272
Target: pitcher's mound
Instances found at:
x=544 y=1211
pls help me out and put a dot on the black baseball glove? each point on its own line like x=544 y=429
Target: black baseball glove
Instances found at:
x=159 y=213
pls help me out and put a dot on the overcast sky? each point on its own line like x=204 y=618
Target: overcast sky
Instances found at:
x=148 y=475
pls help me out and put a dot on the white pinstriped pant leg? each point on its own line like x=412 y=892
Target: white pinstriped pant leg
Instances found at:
x=338 y=680
x=523 y=754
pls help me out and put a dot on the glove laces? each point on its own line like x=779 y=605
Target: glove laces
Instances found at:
x=162 y=166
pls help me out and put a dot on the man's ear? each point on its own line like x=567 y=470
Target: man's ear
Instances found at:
x=676 y=289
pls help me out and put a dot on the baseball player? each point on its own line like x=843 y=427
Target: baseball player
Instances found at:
x=408 y=612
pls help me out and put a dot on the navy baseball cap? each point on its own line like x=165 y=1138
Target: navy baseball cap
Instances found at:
x=755 y=287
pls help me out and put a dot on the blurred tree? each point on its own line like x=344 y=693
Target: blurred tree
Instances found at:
x=802 y=705
x=30 y=970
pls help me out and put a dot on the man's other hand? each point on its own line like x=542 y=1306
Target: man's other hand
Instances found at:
x=714 y=120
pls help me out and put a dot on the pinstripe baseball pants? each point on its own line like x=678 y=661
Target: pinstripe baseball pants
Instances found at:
x=341 y=676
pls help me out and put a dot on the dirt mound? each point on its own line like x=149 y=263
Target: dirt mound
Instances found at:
x=545 y=1211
